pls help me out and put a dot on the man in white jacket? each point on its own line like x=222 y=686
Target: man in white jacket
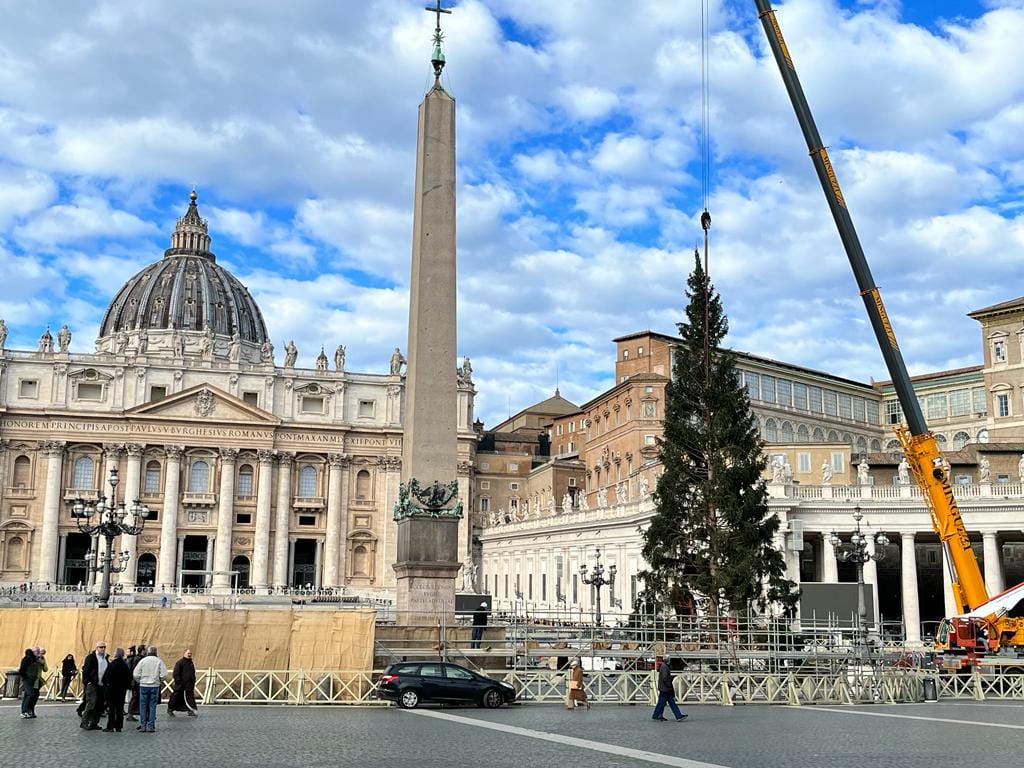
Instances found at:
x=149 y=674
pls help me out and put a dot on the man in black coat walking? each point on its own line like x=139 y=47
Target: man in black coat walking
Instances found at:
x=666 y=693
x=28 y=671
x=116 y=682
x=479 y=623
x=93 y=669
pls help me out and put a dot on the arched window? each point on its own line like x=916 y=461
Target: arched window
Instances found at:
x=982 y=435
x=307 y=482
x=771 y=431
x=941 y=440
x=22 y=472
x=81 y=476
x=787 y=432
x=960 y=439
x=199 y=477
x=15 y=554
x=803 y=435
x=876 y=446
x=862 y=445
x=833 y=436
x=819 y=435
x=245 y=480
x=145 y=574
x=894 y=449
x=152 y=486
x=363 y=485
x=241 y=564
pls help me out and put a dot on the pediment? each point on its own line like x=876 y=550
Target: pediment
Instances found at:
x=205 y=402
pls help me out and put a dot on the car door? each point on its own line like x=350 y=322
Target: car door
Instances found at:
x=432 y=682
x=461 y=684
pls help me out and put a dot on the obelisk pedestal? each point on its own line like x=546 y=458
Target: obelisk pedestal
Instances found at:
x=426 y=569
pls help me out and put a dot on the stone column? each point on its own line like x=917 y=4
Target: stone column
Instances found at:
x=908 y=579
x=225 y=513
x=332 y=542
x=46 y=569
x=291 y=560
x=210 y=542
x=829 y=567
x=261 y=547
x=318 y=562
x=170 y=560
x=993 y=563
x=465 y=555
x=181 y=559
x=871 y=581
x=62 y=553
x=132 y=486
x=282 y=520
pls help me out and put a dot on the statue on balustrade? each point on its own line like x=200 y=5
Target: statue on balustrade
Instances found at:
x=826 y=473
x=904 y=471
x=985 y=469
x=863 y=478
x=64 y=339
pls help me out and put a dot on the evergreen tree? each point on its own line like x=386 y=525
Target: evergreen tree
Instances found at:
x=712 y=535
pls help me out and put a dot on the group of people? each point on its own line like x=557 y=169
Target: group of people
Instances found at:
x=107 y=681
x=576 y=691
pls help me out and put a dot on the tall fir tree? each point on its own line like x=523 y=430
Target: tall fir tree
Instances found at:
x=712 y=534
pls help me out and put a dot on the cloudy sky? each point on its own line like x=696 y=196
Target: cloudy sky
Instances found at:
x=580 y=180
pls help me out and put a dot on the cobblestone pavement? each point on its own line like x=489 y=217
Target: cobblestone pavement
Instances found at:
x=535 y=736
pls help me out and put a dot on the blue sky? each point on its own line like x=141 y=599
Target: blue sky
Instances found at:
x=579 y=172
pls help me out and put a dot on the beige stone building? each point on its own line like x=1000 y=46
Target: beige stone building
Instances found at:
x=257 y=475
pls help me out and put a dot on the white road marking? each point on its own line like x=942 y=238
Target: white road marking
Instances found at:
x=910 y=717
x=597 y=746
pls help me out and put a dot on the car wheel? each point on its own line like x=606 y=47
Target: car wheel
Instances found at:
x=492 y=698
x=408 y=699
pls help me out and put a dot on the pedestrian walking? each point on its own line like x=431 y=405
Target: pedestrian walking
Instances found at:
x=68 y=670
x=116 y=682
x=93 y=669
x=41 y=670
x=28 y=671
x=479 y=623
x=576 y=693
x=666 y=693
x=184 y=697
x=135 y=654
x=149 y=674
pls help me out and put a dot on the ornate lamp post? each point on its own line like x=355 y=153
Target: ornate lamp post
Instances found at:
x=857 y=553
x=598 y=580
x=113 y=519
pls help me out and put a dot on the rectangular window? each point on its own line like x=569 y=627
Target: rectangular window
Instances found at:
x=367 y=408
x=650 y=440
x=572 y=482
x=513 y=466
x=753 y=384
x=152 y=484
x=244 y=489
x=799 y=395
x=513 y=486
x=963 y=479
x=960 y=402
x=831 y=403
x=784 y=392
x=28 y=389
x=937 y=406
x=244 y=518
x=1002 y=404
x=485 y=485
x=91 y=392
x=485 y=504
x=999 y=351
x=893 y=412
x=803 y=462
x=814 y=393
x=639 y=351
x=837 y=462
x=572 y=426
x=157 y=393
x=768 y=389
x=251 y=398
x=859 y=409
x=625 y=354
x=312 y=405
x=872 y=412
x=979 y=402
x=1002 y=478
x=846 y=406
x=307 y=520
x=484 y=466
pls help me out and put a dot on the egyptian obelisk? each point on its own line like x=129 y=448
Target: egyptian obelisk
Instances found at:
x=428 y=509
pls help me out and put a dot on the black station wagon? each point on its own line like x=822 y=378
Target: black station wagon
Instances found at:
x=411 y=683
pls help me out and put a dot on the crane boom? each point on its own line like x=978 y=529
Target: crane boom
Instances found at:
x=919 y=444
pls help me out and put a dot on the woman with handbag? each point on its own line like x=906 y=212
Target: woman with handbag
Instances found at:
x=577 y=694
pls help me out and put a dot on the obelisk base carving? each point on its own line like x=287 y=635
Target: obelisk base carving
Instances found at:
x=426 y=570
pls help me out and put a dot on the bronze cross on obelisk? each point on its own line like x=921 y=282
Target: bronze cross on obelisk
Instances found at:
x=437 y=58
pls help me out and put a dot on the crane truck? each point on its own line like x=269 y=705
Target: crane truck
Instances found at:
x=984 y=626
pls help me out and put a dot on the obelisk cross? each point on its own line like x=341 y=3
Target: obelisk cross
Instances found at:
x=437 y=59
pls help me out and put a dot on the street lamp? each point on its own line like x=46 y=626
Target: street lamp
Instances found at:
x=597 y=580
x=857 y=553
x=113 y=519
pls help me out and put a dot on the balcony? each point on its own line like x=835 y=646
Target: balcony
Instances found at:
x=21 y=492
x=87 y=494
x=190 y=499
x=308 y=502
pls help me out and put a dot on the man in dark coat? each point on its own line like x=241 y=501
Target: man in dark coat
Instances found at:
x=184 y=697
x=93 y=669
x=132 y=659
x=116 y=682
x=479 y=622
x=666 y=693
x=28 y=671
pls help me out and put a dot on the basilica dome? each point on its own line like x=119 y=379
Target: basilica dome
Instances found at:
x=186 y=291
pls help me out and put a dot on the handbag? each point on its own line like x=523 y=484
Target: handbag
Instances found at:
x=575 y=685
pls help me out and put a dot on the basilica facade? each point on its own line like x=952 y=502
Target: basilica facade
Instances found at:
x=257 y=476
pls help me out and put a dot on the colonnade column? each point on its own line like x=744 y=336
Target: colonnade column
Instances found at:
x=181 y=557
x=829 y=567
x=170 y=558
x=318 y=561
x=993 y=563
x=332 y=542
x=261 y=547
x=291 y=560
x=282 y=519
x=225 y=511
x=871 y=581
x=47 y=563
x=210 y=542
x=908 y=581
x=132 y=486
